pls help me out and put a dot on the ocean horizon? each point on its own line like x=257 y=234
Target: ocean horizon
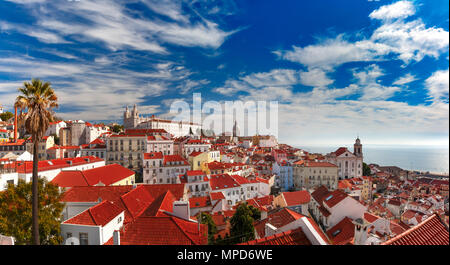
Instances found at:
x=434 y=159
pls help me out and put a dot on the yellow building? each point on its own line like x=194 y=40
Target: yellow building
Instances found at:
x=46 y=143
x=311 y=174
x=199 y=160
x=366 y=189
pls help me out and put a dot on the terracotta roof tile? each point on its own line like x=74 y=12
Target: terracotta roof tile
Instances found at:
x=296 y=197
x=98 y=215
x=432 y=231
x=164 y=231
x=291 y=237
x=342 y=233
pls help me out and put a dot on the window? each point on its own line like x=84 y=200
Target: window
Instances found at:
x=84 y=239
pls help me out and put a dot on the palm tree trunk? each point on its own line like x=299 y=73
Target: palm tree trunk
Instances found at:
x=35 y=208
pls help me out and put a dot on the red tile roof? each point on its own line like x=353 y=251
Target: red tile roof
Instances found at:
x=196 y=141
x=107 y=175
x=98 y=215
x=241 y=180
x=222 y=181
x=198 y=202
x=318 y=164
x=114 y=193
x=396 y=228
x=216 y=196
x=334 y=198
x=320 y=194
x=195 y=173
x=277 y=219
x=137 y=200
x=98 y=141
x=265 y=201
x=291 y=237
x=432 y=231
x=296 y=197
x=27 y=166
x=175 y=158
x=164 y=231
x=195 y=153
x=370 y=217
x=394 y=202
x=162 y=203
x=342 y=233
x=340 y=151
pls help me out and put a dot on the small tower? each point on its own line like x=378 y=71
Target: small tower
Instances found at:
x=236 y=131
x=126 y=114
x=135 y=111
x=357 y=148
x=361 y=227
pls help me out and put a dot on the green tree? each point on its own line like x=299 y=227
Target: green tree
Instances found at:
x=205 y=218
x=117 y=128
x=6 y=115
x=242 y=229
x=256 y=213
x=16 y=212
x=56 y=138
x=366 y=170
x=38 y=99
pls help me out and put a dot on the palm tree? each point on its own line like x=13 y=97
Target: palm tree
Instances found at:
x=38 y=99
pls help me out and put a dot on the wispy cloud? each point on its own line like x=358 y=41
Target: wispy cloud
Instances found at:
x=113 y=24
x=406 y=79
x=408 y=40
x=438 y=86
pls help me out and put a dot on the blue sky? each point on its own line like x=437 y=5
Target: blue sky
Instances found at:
x=337 y=68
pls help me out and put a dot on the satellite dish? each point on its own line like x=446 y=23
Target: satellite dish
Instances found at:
x=72 y=241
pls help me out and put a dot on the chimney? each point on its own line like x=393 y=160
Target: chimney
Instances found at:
x=361 y=227
x=15 y=124
x=270 y=229
x=181 y=210
x=116 y=237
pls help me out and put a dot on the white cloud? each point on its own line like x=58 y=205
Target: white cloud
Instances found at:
x=406 y=79
x=409 y=41
x=91 y=90
x=400 y=9
x=334 y=52
x=42 y=35
x=274 y=78
x=412 y=41
x=438 y=86
x=111 y=23
x=315 y=77
x=190 y=85
x=169 y=8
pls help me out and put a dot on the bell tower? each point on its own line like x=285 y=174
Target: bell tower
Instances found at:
x=357 y=148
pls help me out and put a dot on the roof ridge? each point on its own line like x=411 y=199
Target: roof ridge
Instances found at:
x=409 y=231
x=85 y=178
x=174 y=219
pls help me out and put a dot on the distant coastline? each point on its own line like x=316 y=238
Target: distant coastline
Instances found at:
x=432 y=159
